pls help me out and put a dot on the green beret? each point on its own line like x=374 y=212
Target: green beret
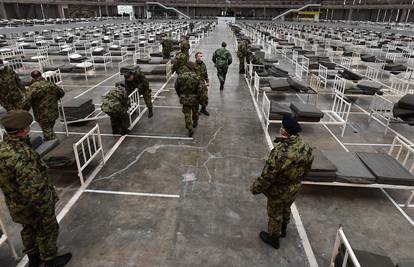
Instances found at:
x=16 y=120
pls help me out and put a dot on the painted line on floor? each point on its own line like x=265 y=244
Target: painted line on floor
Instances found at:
x=295 y=213
x=96 y=85
x=397 y=206
x=131 y=193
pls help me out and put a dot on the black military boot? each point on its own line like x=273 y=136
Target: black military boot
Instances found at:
x=190 y=133
x=150 y=114
x=270 y=239
x=221 y=86
x=59 y=261
x=204 y=111
x=195 y=124
x=34 y=260
x=284 y=229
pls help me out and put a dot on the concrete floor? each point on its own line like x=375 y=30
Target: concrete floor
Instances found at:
x=207 y=216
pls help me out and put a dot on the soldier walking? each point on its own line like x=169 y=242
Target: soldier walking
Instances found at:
x=137 y=80
x=167 y=47
x=29 y=192
x=116 y=103
x=179 y=62
x=185 y=46
x=11 y=94
x=201 y=71
x=289 y=161
x=43 y=96
x=222 y=60
x=189 y=89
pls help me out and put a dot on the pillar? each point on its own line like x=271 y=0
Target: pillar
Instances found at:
x=350 y=14
x=264 y=12
x=403 y=15
x=17 y=9
x=379 y=12
x=61 y=11
x=3 y=13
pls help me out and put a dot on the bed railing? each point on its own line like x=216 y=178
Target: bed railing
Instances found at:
x=342 y=242
x=134 y=105
x=340 y=109
x=87 y=149
x=381 y=107
x=372 y=73
x=339 y=85
x=256 y=86
x=399 y=87
x=266 y=110
x=323 y=75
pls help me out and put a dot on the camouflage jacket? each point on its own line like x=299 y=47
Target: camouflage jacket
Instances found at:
x=43 y=97
x=189 y=88
x=201 y=70
x=140 y=82
x=11 y=94
x=185 y=47
x=289 y=161
x=242 y=50
x=115 y=101
x=167 y=44
x=23 y=179
x=179 y=63
x=222 y=58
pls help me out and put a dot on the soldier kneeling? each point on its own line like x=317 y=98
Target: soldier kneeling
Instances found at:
x=115 y=103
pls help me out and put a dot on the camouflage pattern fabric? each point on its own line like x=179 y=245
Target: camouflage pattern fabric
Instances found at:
x=167 y=47
x=141 y=83
x=179 y=63
x=189 y=88
x=289 y=161
x=222 y=59
x=30 y=196
x=119 y=122
x=185 y=47
x=242 y=54
x=11 y=94
x=43 y=97
x=116 y=104
x=201 y=71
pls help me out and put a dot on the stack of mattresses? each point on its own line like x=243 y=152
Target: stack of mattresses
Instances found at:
x=404 y=109
x=322 y=169
x=78 y=108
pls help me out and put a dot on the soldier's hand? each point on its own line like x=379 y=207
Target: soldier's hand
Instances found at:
x=254 y=190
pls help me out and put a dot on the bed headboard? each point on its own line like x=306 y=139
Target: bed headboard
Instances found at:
x=403 y=151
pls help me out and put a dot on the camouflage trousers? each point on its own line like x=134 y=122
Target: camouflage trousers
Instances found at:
x=147 y=98
x=12 y=105
x=278 y=211
x=119 y=122
x=221 y=74
x=47 y=129
x=241 y=65
x=190 y=115
x=204 y=96
x=166 y=54
x=40 y=233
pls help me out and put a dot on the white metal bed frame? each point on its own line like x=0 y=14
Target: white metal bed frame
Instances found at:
x=349 y=252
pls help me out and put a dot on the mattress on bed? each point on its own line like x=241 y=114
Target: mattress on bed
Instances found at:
x=131 y=68
x=350 y=168
x=407 y=102
x=77 y=104
x=302 y=110
x=278 y=72
x=322 y=169
x=298 y=85
x=395 y=67
x=46 y=147
x=278 y=111
x=386 y=169
x=153 y=69
x=368 y=58
x=52 y=67
x=350 y=75
x=279 y=84
x=328 y=64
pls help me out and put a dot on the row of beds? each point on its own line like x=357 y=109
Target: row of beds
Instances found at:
x=378 y=170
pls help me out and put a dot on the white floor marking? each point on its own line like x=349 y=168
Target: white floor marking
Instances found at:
x=96 y=85
x=131 y=193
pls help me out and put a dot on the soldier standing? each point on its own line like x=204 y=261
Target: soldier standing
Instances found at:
x=191 y=26
x=43 y=97
x=242 y=54
x=185 y=46
x=11 y=94
x=179 y=62
x=29 y=192
x=188 y=87
x=167 y=47
x=289 y=161
x=137 y=80
x=115 y=103
x=222 y=60
x=201 y=71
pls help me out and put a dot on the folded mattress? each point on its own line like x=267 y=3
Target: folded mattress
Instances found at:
x=279 y=84
x=350 y=168
x=386 y=169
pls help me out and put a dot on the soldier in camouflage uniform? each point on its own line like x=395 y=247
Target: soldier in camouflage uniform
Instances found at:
x=185 y=46
x=43 y=97
x=289 y=161
x=115 y=103
x=242 y=54
x=137 y=80
x=11 y=94
x=29 y=192
x=189 y=89
x=222 y=60
x=179 y=62
x=201 y=71
x=191 y=26
x=167 y=47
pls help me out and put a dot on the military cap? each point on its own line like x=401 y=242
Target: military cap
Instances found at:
x=291 y=125
x=16 y=120
x=223 y=44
